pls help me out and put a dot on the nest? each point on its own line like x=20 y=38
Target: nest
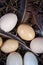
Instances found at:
x=15 y=6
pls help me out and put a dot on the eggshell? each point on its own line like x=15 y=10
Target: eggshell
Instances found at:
x=30 y=59
x=26 y=32
x=9 y=46
x=8 y=22
x=36 y=45
x=1 y=42
x=14 y=59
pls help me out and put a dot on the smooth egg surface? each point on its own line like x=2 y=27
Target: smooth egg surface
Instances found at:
x=26 y=32
x=8 y=22
x=10 y=45
x=30 y=59
x=1 y=42
x=36 y=45
x=14 y=59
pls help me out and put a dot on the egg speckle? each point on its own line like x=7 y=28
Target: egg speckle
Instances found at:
x=14 y=59
x=30 y=59
x=36 y=45
x=10 y=45
x=8 y=22
x=26 y=32
x=1 y=42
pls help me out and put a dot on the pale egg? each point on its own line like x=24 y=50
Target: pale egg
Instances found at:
x=14 y=59
x=1 y=42
x=8 y=22
x=10 y=45
x=26 y=32
x=30 y=59
x=36 y=45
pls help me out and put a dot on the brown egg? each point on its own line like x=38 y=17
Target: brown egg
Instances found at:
x=10 y=46
x=26 y=32
x=1 y=41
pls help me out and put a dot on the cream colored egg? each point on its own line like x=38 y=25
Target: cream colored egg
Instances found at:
x=26 y=32
x=1 y=42
x=9 y=46
x=36 y=45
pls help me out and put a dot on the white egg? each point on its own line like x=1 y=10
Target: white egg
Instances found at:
x=8 y=22
x=14 y=59
x=30 y=59
x=36 y=45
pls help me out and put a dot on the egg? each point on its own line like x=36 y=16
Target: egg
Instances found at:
x=8 y=22
x=14 y=59
x=36 y=45
x=1 y=42
x=10 y=45
x=26 y=32
x=30 y=59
